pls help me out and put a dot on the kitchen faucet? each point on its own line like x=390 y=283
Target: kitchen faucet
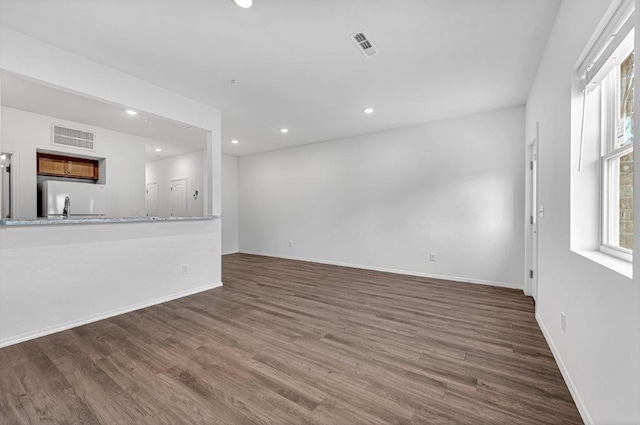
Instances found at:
x=66 y=211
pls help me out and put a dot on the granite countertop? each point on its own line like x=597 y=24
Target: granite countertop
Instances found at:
x=100 y=220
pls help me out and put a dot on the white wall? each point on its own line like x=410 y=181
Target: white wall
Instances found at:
x=25 y=132
x=387 y=200
x=163 y=171
x=229 y=204
x=600 y=352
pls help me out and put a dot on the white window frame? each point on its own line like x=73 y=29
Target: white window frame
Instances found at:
x=610 y=151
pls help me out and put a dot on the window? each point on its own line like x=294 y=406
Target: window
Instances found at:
x=602 y=140
x=617 y=155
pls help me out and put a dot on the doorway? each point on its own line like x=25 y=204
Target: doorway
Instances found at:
x=179 y=197
x=152 y=199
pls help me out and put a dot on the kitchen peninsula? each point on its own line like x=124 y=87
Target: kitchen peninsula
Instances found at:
x=61 y=273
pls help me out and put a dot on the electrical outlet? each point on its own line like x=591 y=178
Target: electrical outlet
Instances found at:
x=290 y=244
x=185 y=269
x=432 y=256
x=563 y=322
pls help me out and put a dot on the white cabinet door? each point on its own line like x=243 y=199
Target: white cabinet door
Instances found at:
x=179 y=197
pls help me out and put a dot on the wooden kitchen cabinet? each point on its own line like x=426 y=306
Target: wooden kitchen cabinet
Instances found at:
x=51 y=166
x=67 y=166
x=82 y=169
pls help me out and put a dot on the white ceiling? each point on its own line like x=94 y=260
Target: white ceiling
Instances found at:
x=295 y=65
x=169 y=136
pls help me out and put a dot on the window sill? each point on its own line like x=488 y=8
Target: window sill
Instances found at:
x=622 y=267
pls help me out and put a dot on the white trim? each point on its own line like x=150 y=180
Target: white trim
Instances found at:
x=75 y=323
x=586 y=417
x=388 y=270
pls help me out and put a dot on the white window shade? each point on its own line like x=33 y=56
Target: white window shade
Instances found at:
x=616 y=35
x=620 y=47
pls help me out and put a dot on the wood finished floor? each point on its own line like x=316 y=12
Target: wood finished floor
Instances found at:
x=289 y=342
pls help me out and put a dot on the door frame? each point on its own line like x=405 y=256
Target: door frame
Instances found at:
x=531 y=216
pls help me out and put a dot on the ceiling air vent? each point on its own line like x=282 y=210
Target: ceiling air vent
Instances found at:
x=71 y=138
x=361 y=39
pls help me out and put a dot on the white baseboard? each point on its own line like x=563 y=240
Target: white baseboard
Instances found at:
x=396 y=271
x=75 y=323
x=586 y=417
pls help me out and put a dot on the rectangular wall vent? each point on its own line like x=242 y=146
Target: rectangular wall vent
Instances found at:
x=72 y=138
x=362 y=40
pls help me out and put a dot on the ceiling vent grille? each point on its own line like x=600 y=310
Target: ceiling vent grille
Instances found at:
x=362 y=40
x=71 y=138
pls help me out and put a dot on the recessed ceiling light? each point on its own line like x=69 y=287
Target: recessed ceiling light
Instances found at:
x=245 y=4
x=158 y=150
x=235 y=142
x=284 y=130
x=368 y=111
x=131 y=112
